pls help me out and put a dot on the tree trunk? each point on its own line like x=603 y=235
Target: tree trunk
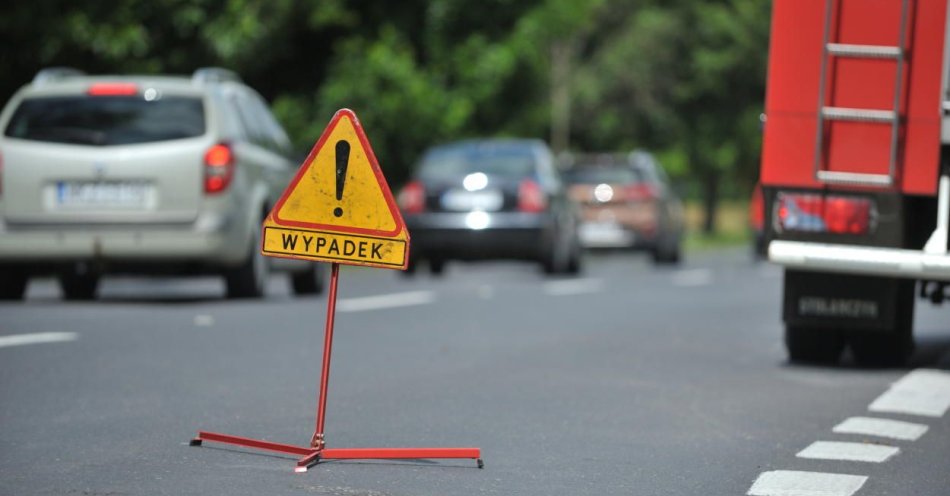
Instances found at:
x=561 y=53
x=710 y=202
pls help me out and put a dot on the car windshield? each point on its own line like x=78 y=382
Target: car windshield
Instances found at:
x=601 y=175
x=454 y=163
x=113 y=120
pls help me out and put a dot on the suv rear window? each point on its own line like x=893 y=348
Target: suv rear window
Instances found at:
x=102 y=121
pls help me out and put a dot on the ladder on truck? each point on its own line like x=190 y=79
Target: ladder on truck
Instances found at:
x=828 y=113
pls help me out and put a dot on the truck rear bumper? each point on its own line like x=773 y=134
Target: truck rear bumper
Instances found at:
x=825 y=257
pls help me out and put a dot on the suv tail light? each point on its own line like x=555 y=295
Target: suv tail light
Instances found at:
x=113 y=89
x=808 y=212
x=219 y=168
x=531 y=198
x=412 y=198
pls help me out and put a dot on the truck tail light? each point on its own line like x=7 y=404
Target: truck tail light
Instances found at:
x=531 y=198
x=412 y=198
x=219 y=168
x=809 y=212
x=113 y=89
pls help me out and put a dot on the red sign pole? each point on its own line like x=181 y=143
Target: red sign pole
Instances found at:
x=317 y=440
x=318 y=450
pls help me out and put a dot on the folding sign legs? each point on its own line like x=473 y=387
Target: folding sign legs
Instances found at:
x=317 y=450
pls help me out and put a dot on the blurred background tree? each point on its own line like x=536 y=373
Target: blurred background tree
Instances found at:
x=682 y=78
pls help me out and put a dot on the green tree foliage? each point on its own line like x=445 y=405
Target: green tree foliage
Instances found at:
x=684 y=78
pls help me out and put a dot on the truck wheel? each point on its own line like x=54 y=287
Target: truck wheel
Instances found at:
x=310 y=281
x=12 y=284
x=881 y=350
x=79 y=287
x=813 y=345
x=891 y=347
x=249 y=279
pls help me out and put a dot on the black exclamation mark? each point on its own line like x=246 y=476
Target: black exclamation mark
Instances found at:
x=342 y=160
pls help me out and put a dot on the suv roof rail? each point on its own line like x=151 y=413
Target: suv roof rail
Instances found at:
x=215 y=75
x=55 y=74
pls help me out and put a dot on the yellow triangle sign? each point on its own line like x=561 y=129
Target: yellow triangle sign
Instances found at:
x=338 y=208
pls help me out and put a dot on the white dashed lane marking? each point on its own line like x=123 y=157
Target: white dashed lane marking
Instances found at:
x=693 y=278
x=894 y=429
x=853 y=452
x=380 y=302
x=37 y=338
x=922 y=392
x=573 y=287
x=204 y=320
x=795 y=483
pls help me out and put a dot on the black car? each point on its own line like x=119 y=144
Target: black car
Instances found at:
x=491 y=199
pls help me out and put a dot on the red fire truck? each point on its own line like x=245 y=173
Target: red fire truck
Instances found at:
x=856 y=171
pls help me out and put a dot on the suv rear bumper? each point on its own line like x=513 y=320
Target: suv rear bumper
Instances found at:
x=219 y=244
x=894 y=262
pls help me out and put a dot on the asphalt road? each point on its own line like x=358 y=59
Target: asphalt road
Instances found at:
x=629 y=380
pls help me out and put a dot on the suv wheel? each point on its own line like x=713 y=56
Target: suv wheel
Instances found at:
x=249 y=279
x=12 y=284
x=79 y=286
x=310 y=281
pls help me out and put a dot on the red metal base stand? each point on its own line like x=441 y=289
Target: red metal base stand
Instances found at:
x=317 y=450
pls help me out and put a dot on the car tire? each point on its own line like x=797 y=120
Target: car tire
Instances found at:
x=813 y=345
x=79 y=287
x=575 y=264
x=308 y=282
x=549 y=264
x=667 y=253
x=12 y=285
x=437 y=266
x=250 y=278
x=410 y=270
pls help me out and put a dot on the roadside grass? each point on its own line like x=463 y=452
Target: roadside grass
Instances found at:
x=732 y=226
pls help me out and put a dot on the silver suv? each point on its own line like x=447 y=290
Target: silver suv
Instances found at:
x=140 y=174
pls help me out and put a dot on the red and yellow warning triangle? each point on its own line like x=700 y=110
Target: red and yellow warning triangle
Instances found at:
x=339 y=208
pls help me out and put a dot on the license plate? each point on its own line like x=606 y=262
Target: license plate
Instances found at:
x=118 y=194
x=465 y=201
x=604 y=234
